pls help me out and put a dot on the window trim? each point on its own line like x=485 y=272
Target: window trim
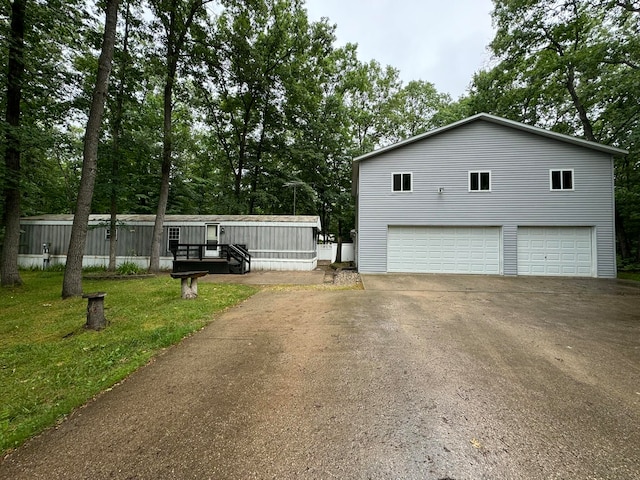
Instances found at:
x=402 y=174
x=479 y=172
x=562 y=189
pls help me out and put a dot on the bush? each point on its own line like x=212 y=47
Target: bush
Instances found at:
x=128 y=268
x=628 y=265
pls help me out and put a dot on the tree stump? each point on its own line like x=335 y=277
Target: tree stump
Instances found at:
x=95 y=311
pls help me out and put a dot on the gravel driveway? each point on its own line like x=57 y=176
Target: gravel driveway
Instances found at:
x=425 y=377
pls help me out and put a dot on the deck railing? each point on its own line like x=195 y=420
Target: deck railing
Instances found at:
x=198 y=251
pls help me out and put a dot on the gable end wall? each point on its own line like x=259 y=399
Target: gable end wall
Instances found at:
x=519 y=163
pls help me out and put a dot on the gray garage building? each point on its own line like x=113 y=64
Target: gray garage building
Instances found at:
x=275 y=242
x=487 y=195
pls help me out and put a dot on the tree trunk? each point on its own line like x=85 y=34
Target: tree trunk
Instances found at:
x=167 y=146
x=72 y=283
x=115 y=160
x=176 y=36
x=11 y=214
x=587 y=127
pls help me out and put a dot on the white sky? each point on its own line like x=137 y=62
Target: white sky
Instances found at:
x=440 y=41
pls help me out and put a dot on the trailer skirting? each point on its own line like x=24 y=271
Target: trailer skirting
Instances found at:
x=166 y=263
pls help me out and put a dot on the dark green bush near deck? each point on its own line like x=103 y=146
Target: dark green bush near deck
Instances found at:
x=50 y=364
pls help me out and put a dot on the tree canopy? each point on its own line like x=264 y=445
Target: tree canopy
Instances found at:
x=572 y=66
x=229 y=106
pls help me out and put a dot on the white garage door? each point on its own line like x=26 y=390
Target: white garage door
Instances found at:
x=444 y=250
x=563 y=251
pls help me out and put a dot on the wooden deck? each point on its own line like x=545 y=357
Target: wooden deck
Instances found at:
x=232 y=258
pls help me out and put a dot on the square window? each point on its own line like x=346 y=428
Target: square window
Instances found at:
x=480 y=181
x=107 y=234
x=401 y=182
x=561 y=179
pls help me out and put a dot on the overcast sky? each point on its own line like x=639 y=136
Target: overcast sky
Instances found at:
x=441 y=41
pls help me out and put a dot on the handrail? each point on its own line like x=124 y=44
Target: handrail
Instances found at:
x=242 y=255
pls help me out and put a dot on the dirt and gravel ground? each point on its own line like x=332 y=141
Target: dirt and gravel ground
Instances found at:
x=415 y=377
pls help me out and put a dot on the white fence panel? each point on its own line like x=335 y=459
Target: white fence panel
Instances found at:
x=329 y=251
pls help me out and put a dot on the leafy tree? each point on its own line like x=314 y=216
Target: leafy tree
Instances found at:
x=414 y=109
x=116 y=134
x=322 y=145
x=52 y=31
x=11 y=215
x=176 y=18
x=132 y=123
x=72 y=282
x=572 y=66
x=241 y=79
x=371 y=94
x=253 y=97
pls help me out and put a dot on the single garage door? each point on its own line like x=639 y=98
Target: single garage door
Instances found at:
x=444 y=250
x=562 y=251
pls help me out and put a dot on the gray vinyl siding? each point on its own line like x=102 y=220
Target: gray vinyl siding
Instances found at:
x=264 y=240
x=33 y=236
x=132 y=241
x=277 y=242
x=520 y=195
x=510 y=250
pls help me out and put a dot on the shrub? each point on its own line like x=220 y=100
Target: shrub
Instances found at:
x=128 y=268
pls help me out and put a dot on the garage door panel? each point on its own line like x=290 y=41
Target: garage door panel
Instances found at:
x=562 y=251
x=444 y=249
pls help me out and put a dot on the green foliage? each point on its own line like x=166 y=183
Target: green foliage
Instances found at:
x=573 y=67
x=90 y=269
x=262 y=97
x=49 y=364
x=128 y=268
x=416 y=107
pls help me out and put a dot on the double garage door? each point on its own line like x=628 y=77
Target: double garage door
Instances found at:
x=563 y=251
x=444 y=250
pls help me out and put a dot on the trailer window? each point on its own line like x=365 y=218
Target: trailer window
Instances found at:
x=174 y=238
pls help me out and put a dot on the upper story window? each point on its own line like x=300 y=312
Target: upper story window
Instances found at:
x=561 y=179
x=401 y=182
x=174 y=238
x=480 y=181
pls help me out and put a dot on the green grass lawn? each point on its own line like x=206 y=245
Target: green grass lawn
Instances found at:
x=50 y=364
x=629 y=276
